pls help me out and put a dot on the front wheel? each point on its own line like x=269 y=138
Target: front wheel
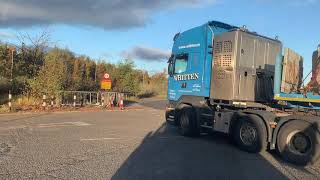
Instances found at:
x=188 y=122
x=250 y=134
x=299 y=143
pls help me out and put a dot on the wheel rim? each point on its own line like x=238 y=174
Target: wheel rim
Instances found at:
x=248 y=134
x=299 y=143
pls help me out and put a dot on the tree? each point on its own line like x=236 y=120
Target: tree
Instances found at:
x=76 y=75
x=4 y=69
x=33 y=50
x=51 y=77
x=125 y=79
x=40 y=70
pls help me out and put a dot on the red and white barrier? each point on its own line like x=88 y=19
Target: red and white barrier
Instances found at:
x=120 y=101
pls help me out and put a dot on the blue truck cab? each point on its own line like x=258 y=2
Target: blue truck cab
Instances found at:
x=226 y=79
x=190 y=63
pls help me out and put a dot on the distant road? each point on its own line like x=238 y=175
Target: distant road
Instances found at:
x=159 y=104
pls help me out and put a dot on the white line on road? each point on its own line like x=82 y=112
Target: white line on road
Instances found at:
x=99 y=139
x=132 y=138
x=63 y=124
x=12 y=127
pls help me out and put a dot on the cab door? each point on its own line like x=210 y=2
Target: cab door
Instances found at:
x=183 y=76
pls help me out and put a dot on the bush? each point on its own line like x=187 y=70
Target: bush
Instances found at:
x=156 y=86
x=4 y=85
x=3 y=98
x=50 y=78
x=26 y=101
x=4 y=109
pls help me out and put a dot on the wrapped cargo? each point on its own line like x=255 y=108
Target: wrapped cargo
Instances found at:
x=292 y=72
x=313 y=85
x=316 y=65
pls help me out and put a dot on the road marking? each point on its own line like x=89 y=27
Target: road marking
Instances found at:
x=63 y=124
x=12 y=127
x=128 y=138
x=99 y=139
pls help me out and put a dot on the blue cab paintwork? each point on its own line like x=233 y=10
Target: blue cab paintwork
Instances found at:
x=195 y=42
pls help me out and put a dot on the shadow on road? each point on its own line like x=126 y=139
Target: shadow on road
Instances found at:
x=165 y=154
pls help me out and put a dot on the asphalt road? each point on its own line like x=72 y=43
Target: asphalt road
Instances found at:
x=133 y=144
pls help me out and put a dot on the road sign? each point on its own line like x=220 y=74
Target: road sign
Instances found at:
x=106 y=76
x=106 y=84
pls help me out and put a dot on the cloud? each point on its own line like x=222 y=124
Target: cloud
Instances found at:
x=108 y=14
x=146 y=54
x=7 y=35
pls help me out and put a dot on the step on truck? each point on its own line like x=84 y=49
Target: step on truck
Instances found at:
x=226 y=79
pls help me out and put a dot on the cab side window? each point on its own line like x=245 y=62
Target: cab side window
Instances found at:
x=181 y=63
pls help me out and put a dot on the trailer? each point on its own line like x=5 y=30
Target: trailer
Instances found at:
x=227 y=79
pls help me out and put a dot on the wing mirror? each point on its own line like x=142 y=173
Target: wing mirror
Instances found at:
x=170 y=65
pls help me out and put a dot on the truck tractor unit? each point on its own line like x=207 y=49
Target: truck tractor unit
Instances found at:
x=226 y=79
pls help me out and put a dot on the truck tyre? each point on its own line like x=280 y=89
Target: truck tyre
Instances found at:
x=299 y=143
x=187 y=119
x=250 y=134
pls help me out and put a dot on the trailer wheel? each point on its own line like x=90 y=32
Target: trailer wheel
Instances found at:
x=299 y=143
x=187 y=121
x=250 y=134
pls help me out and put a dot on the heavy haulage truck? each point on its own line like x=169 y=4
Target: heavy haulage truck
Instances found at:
x=226 y=79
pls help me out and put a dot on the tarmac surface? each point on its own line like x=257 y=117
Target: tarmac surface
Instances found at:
x=132 y=144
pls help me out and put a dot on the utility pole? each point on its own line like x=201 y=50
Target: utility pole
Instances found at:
x=95 y=72
x=12 y=49
x=11 y=76
x=142 y=78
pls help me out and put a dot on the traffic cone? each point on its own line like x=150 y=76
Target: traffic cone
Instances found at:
x=111 y=102
x=121 y=103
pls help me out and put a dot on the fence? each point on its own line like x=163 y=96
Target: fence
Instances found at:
x=99 y=98
x=83 y=98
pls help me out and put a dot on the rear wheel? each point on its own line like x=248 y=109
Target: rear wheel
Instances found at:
x=250 y=134
x=299 y=143
x=187 y=121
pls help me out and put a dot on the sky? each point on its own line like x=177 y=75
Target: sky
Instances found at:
x=143 y=29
